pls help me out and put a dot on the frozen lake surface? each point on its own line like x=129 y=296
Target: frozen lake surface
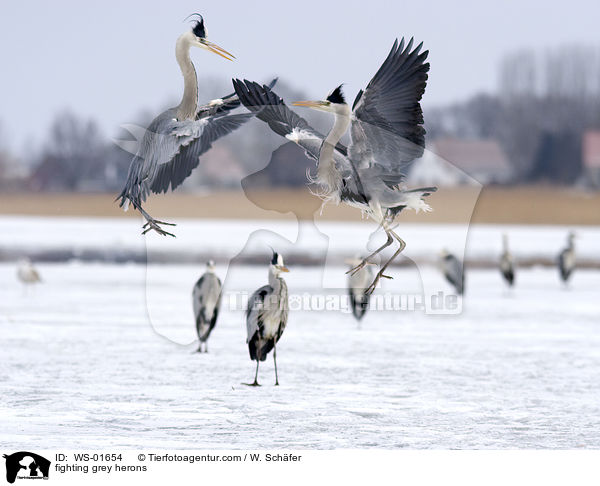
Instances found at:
x=83 y=367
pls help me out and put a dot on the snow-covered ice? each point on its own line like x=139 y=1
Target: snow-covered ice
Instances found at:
x=83 y=366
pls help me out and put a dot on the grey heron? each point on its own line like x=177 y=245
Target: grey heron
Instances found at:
x=206 y=300
x=175 y=139
x=386 y=136
x=267 y=316
x=358 y=283
x=507 y=267
x=453 y=270
x=27 y=273
x=566 y=258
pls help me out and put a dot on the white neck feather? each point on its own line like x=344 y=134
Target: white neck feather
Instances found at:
x=327 y=173
x=189 y=102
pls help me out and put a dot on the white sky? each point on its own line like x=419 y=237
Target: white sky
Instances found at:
x=109 y=60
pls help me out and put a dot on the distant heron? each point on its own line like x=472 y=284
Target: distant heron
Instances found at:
x=27 y=273
x=175 y=139
x=386 y=132
x=358 y=283
x=453 y=270
x=206 y=299
x=507 y=267
x=566 y=259
x=267 y=316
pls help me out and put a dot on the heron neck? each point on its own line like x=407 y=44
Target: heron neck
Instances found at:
x=189 y=102
x=274 y=280
x=326 y=160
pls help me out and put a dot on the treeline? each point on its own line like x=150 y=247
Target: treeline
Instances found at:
x=545 y=102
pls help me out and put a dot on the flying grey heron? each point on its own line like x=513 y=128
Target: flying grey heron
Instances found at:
x=27 y=273
x=267 y=316
x=358 y=283
x=175 y=139
x=453 y=270
x=206 y=300
x=386 y=136
x=566 y=259
x=507 y=267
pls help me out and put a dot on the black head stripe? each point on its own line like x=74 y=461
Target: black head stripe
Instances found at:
x=199 y=30
x=336 y=96
x=275 y=258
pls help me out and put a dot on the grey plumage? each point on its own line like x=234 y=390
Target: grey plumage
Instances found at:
x=358 y=283
x=566 y=259
x=453 y=270
x=386 y=132
x=267 y=315
x=175 y=139
x=507 y=267
x=206 y=301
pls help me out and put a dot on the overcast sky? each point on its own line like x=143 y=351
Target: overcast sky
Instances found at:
x=109 y=60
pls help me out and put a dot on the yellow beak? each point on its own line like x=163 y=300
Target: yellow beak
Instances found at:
x=217 y=50
x=284 y=269
x=310 y=104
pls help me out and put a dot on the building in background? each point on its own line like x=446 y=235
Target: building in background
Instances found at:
x=456 y=162
x=591 y=158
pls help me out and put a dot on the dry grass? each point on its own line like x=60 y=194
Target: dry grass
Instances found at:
x=522 y=205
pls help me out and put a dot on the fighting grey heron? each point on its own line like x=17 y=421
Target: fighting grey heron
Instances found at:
x=507 y=267
x=206 y=300
x=27 y=273
x=267 y=316
x=386 y=136
x=453 y=270
x=566 y=259
x=175 y=139
x=358 y=283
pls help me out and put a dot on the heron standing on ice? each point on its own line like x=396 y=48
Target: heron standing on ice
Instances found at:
x=453 y=270
x=386 y=129
x=507 y=267
x=566 y=259
x=27 y=273
x=267 y=316
x=206 y=300
x=358 y=283
x=172 y=144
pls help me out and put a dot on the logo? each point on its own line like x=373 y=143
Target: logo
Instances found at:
x=26 y=465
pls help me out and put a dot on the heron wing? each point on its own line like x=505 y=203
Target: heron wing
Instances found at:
x=223 y=105
x=387 y=123
x=194 y=139
x=256 y=306
x=270 y=108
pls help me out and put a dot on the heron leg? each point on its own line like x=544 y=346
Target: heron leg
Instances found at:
x=255 y=376
x=365 y=261
x=380 y=274
x=275 y=362
x=154 y=224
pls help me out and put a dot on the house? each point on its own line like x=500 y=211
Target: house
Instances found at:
x=455 y=162
x=591 y=157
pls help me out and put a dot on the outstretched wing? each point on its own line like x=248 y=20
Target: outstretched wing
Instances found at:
x=271 y=109
x=387 y=123
x=223 y=105
x=169 y=151
x=195 y=139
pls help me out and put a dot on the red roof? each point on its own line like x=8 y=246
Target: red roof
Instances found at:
x=591 y=149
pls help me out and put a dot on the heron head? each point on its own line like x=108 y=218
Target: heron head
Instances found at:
x=210 y=266
x=277 y=265
x=198 y=38
x=334 y=103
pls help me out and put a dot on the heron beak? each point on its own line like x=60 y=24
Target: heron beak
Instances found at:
x=283 y=269
x=216 y=49
x=319 y=105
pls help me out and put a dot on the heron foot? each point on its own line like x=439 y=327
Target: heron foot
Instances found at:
x=153 y=224
x=251 y=384
x=359 y=267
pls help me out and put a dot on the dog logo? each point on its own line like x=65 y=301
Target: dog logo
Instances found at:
x=26 y=465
